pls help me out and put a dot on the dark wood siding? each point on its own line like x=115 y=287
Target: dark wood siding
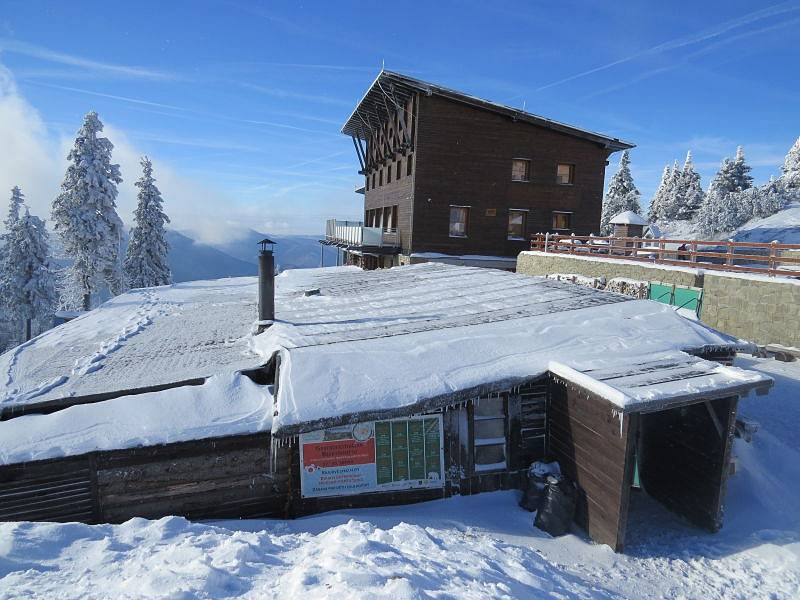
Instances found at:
x=222 y=478
x=463 y=157
x=593 y=444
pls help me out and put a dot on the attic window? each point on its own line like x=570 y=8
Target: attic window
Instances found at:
x=489 y=426
x=520 y=169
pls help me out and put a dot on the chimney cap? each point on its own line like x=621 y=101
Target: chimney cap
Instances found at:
x=266 y=242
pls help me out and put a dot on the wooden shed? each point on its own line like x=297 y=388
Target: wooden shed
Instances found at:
x=396 y=386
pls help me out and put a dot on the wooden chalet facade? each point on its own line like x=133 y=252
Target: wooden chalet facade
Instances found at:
x=449 y=174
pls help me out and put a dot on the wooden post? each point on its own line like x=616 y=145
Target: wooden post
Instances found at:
x=772 y=266
x=729 y=258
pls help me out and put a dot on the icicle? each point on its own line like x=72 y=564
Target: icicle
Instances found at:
x=621 y=416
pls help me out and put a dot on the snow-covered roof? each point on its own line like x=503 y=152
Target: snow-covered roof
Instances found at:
x=628 y=218
x=225 y=405
x=418 y=337
x=141 y=339
x=368 y=344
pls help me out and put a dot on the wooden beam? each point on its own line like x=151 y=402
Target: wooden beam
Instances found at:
x=358 y=151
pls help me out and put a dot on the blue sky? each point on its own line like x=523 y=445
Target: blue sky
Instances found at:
x=239 y=104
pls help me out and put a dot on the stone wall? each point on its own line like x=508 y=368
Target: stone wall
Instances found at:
x=541 y=263
x=760 y=309
x=755 y=308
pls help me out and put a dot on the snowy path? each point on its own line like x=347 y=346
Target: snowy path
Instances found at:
x=480 y=546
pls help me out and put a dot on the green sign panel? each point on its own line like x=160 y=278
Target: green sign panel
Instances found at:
x=408 y=450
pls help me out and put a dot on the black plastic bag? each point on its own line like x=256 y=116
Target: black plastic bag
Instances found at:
x=557 y=507
x=536 y=483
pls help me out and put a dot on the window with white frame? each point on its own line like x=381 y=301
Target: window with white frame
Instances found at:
x=459 y=221
x=489 y=426
x=517 y=223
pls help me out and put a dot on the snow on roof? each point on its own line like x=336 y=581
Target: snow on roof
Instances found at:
x=143 y=338
x=223 y=406
x=628 y=218
x=415 y=337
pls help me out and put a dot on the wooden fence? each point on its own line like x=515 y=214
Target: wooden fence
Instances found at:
x=774 y=259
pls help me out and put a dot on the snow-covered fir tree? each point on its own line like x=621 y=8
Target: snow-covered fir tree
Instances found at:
x=27 y=276
x=674 y=195
x=692 y=194
x=17 y=198
x=730 y=200
x=656 y=211
x=741 y=171
x=146 y=261
x=84 y=213
x=622 y=195
x=769 y=198
x=790 y=176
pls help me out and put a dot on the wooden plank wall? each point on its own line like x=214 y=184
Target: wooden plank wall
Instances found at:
x=58 y=491
x=684 y=459
x=594 y=448
x=219 y=478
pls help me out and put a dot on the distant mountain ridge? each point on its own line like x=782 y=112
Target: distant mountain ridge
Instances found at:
x=192 y=260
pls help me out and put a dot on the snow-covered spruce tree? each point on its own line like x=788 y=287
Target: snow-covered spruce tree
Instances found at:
x=692 y=191
x=622 y=195
x=146 y=262
x=728 y=203
x=656 y=211
x=29 y=280
x=790 y=176
x=741 y=171
x=17 y=198
x=84 y=213
x=674 y=196
x=769 y=198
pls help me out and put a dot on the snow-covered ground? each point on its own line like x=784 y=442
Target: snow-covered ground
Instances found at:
x=482 y=546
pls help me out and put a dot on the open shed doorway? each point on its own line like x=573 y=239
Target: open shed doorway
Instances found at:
x=681 y=453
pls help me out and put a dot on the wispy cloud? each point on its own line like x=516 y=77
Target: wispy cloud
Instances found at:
x=687 y=40
x=180 y=109
x=210 y=144
x=689 y=57
x=42 y=53
x=286 y=94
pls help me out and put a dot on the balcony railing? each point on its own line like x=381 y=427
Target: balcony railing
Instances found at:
x=353 y=233
x=773 y=259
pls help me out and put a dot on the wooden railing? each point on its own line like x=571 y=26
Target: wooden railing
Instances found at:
x=774 y=259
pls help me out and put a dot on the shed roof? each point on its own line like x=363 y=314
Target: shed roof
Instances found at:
x=142 y=339
x=421 y=337
x=628 y=218
x=392 y=89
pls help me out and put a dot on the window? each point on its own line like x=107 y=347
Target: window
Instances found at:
x=520 y=169
x=409 y=160
x=565 y=174
x=489 y=423
x=380 y=177
x=517 y=222
x=373 y=181
x=398 y=170
x=389 y=174
x=459 y=221
x=562 y=220
x=366 y=185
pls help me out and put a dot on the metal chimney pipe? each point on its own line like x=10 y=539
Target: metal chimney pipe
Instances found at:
x=266 y=285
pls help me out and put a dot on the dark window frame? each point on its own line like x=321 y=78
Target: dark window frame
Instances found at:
x=466 y=210
x=553 y=220
x=571 y=173
x=528 y=169
x=524 y=212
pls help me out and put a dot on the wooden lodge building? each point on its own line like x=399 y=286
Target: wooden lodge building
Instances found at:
x=474 y=374
x=458 y=179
